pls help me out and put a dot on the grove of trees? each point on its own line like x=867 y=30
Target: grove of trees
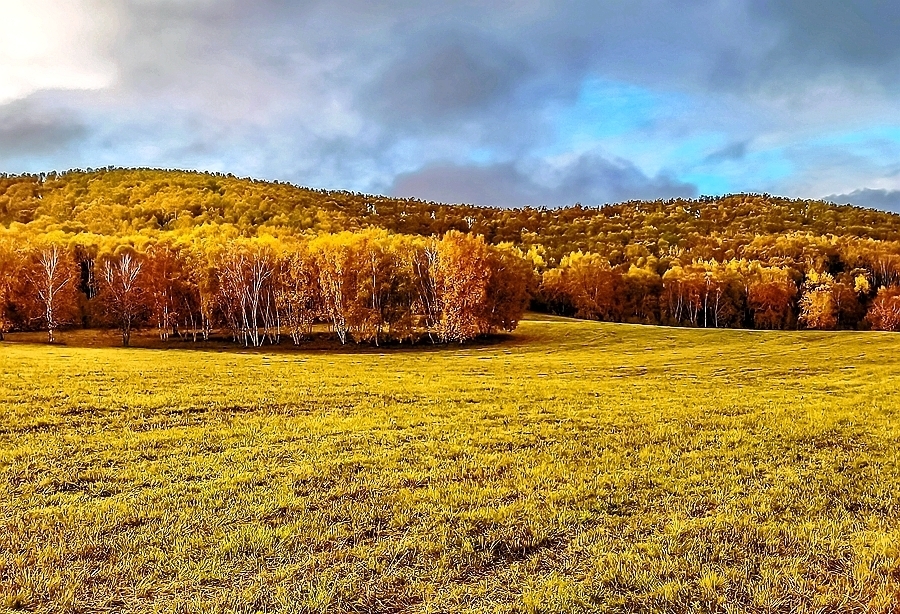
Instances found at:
x=369 y=286
x=734 y=293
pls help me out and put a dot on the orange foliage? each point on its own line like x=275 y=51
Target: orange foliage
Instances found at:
x=884 y=314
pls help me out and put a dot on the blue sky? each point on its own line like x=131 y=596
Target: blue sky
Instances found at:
x=507 y=103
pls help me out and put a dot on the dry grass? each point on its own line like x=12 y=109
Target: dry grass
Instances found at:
x=573 y=467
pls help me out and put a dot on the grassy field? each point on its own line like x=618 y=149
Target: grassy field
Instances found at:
x=572 y=467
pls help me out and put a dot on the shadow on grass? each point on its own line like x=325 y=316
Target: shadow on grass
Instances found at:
x=318 y=342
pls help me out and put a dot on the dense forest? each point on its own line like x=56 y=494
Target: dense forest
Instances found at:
x=190 y=252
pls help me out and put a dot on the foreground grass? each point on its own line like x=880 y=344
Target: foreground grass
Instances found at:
x=573 y=467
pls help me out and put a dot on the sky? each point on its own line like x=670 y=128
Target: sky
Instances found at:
x=504 y=103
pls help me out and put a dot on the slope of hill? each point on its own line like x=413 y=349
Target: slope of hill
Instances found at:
x=744 y=260
x=116 y=201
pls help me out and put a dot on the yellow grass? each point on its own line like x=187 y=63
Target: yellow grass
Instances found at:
x=571 y=467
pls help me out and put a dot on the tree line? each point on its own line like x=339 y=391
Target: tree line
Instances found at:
x=736 y=293
x=368 y=286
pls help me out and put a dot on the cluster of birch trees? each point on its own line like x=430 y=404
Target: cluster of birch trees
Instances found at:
x=734 y=293
x=369 y=286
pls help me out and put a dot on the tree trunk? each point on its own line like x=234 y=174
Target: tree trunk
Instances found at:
x=717 y=310
x=705 y=309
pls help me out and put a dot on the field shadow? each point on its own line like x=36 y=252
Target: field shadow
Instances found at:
x=319 y=342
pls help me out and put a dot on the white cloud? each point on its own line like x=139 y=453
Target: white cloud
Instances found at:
x=54 y=44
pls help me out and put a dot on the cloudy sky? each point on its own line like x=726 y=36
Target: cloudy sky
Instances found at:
x=508 y=102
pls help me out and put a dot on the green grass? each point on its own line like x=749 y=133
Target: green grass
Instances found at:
x=572 y=467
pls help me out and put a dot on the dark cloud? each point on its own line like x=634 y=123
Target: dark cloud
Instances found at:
x=828 y=33
x=354 y=93
x=589 y=179
x=450 y=77
x=29 y=129
x=734 y=151
x=886 y=200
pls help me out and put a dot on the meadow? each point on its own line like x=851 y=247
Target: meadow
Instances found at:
x=569 y=467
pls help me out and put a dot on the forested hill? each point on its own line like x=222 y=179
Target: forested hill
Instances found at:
x=738 y=260
x=122 y=202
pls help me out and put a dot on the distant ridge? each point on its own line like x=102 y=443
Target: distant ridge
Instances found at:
x=114 y=201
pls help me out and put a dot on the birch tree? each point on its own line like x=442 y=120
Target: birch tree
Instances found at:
x=123 y=294
x=339 y=281
x=261 y=265
x=421 y=256
x=884 y=313
x=297 y=290
x=385 y=287
x=461 y=285
x=506 y=296
x=165 y=284
x=245 y=270
x=53 y=277
x=771 y=293
x=587 y=284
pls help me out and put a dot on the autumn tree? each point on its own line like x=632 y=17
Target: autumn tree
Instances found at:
x=203 y=279
x=818 y=309
x=390 y=286
x=884 y=264
x=731 y=306
x=720 y=292
x=336 y=260
x=122 y=293
x=461 y=283
x=421 y=256
x=848 y=309
x=383 y=282
x=884 y=313
x=10 y=269
x=771 y=293
x=231 y=289
x=170 y=293
x=588 y=283
x=507 y=292
x=297 y=292
x=246 y=293
x=684 y=288
x=52 y=277
x=641 y=290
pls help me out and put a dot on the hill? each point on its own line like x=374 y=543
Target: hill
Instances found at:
x=744 y=260
x=117 y=201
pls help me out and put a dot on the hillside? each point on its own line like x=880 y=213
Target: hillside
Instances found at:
x=744 y=260
x=117 y=201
